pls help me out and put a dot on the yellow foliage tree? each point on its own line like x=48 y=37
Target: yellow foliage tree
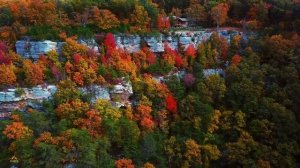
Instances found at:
x=106 y=110
x=140 y=20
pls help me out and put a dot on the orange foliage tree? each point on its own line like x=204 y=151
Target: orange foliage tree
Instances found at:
x=47 y=138
x=34 y=73
x=72 y=47
x=236 y=59
x=124 y=163
x=219 y=13
x=7 y=74
x=104 y=18
x=154 y=88
x=68 y=67
x=91 y=122
x=34 y=12
x=121 y=61
x=143 y=115
x=78 y=78
x=61 y=142
x=17 y=130
x=143 y=58
x=72 y=109
x=169 y=54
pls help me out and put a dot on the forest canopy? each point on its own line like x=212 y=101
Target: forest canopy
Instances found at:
x=176 y=115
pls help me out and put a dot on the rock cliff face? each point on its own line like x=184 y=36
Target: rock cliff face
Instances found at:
x=31 y=49
x=32 y=97
x=119 y=95
x=129 y=43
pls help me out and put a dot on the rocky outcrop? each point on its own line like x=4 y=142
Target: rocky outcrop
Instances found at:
x=32 y=49
x=129 y=43
x=20 y=99
x=120 y=94
x=96 y=92
x=34 y=93
x=209 y=72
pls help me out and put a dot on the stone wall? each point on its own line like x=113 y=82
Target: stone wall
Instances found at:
x=130 y=43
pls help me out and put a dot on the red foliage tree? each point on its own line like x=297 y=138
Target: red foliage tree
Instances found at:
x=191 y=51
x=171 y=104
x=151 y=58
x=109 y=43
x=163 y=23
x=77 y=58
x=236 y=59
x=178 y=61
x=103 y=59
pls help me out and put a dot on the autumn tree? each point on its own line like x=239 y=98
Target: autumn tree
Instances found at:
x=16 y=130
x=139 y=20
x=78 y=78
x=176 y=12
x=72 y=47
x=81 y=17
x=153 y=88
x=236 y=59
x=104 y=18
x=163 y=23
x=106 y=110
x=66 y=91
x=72 y=110
x=122 y=62
x=193 y=153
x=217 y=88
x=148 y=165
x=7 y=75
x=90 y=122
x=171 y=104
x=109 y=44
x=219 y=14
x=124 y=163
x=34 y=12
x=4 y=56
x=143 y=115
x=191 y=51
x=172 y=149
x=144 y=58
x=196 y=12
x=34 y=73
